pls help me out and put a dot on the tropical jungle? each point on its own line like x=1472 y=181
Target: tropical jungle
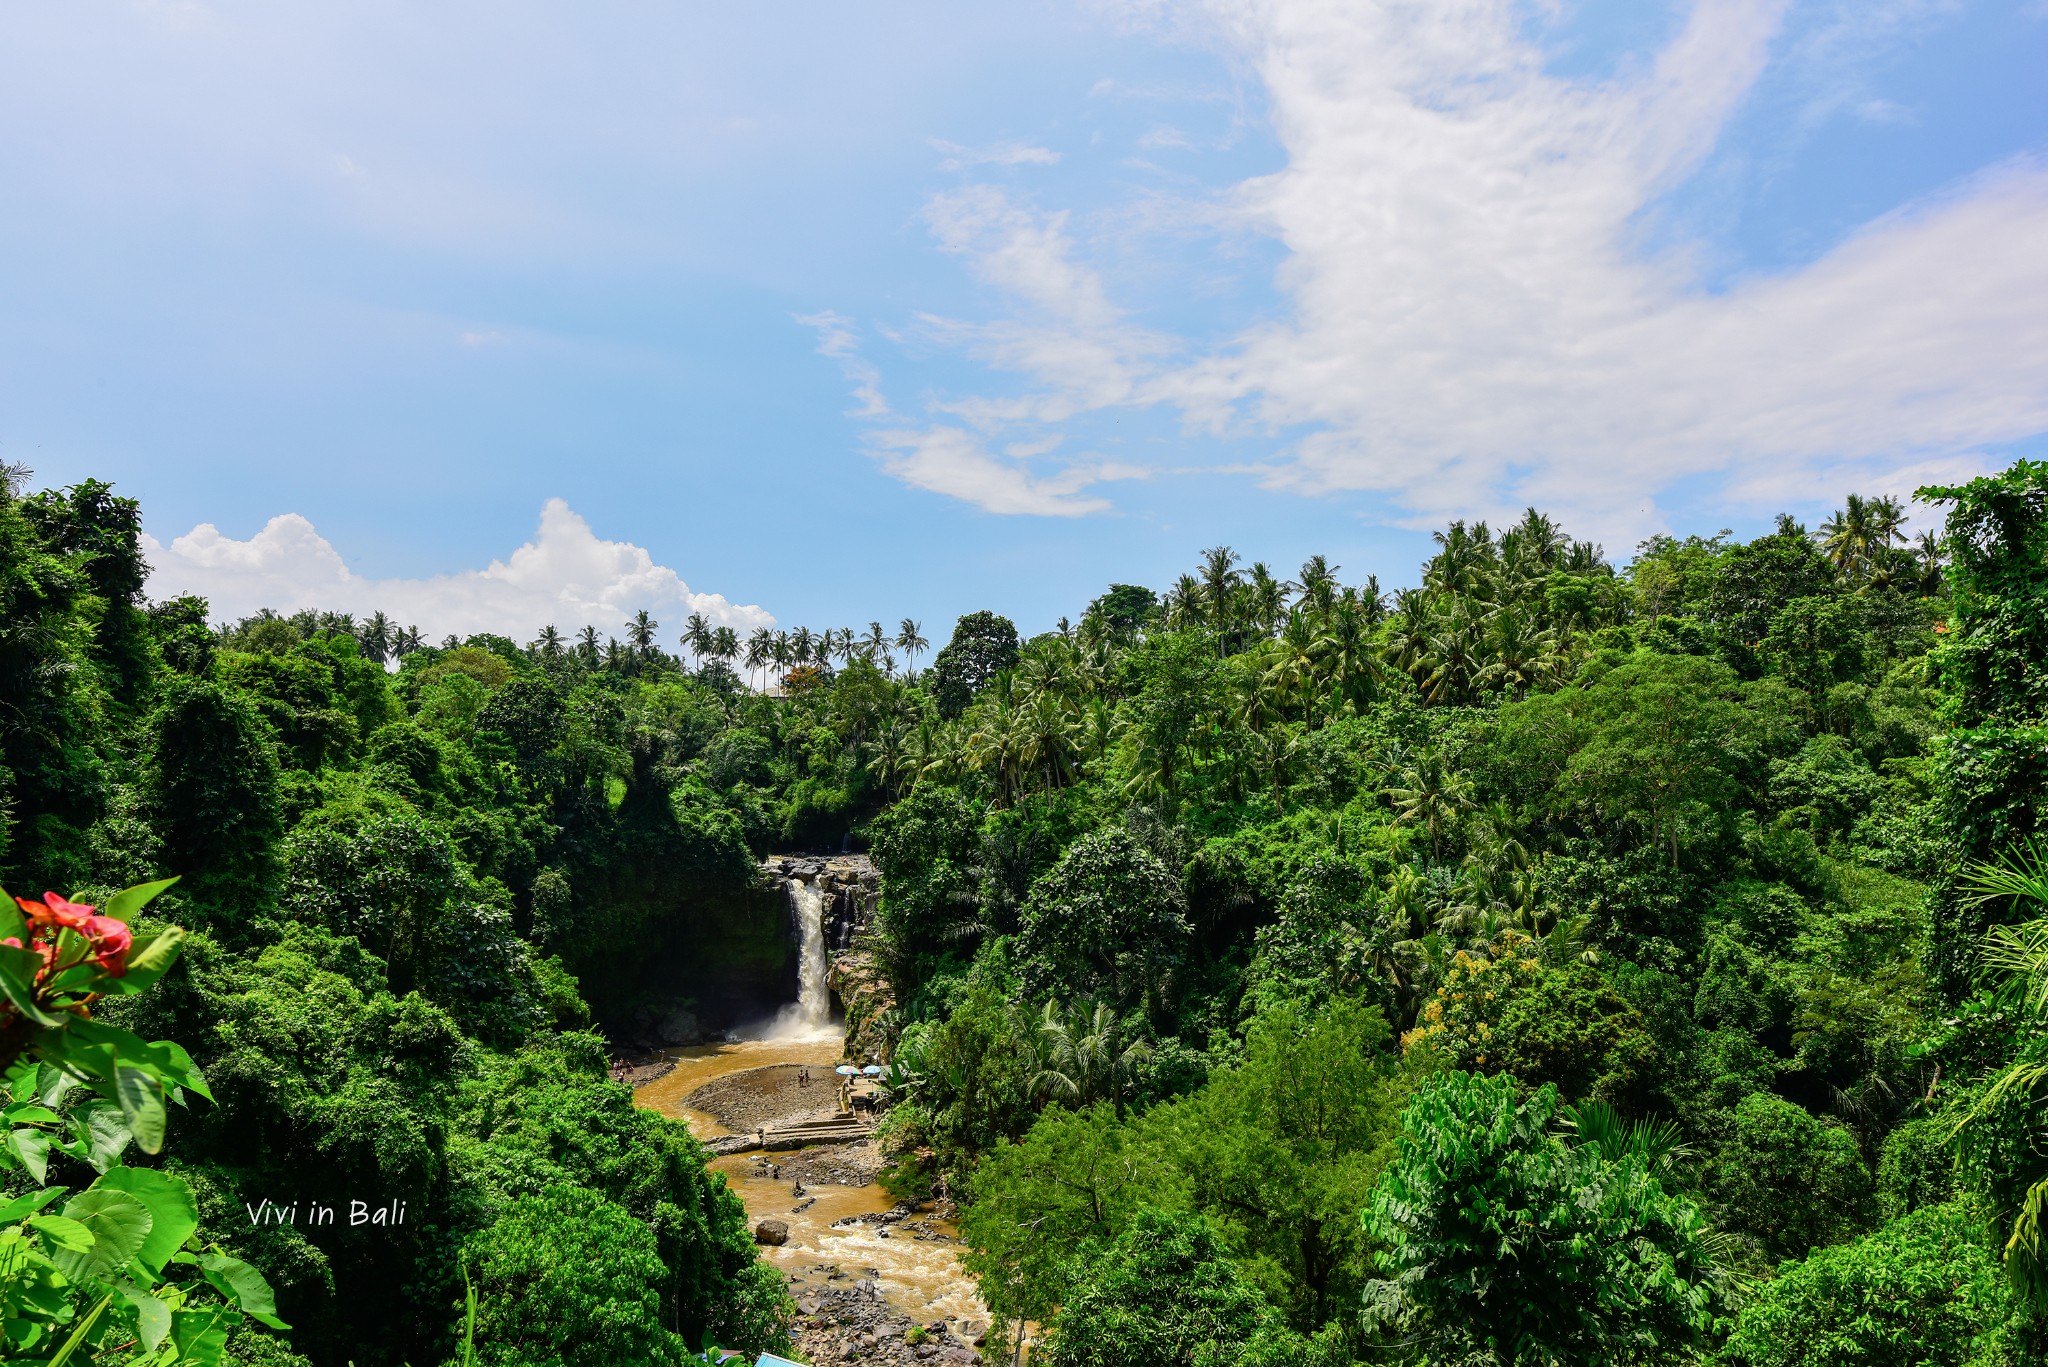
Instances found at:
x=1566 y=959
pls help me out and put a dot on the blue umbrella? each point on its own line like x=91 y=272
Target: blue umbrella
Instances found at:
x=872 y=1071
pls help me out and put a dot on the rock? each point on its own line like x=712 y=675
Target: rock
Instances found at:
x=864 y=991
x=773 y=1232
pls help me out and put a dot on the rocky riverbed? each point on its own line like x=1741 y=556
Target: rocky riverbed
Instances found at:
x=873 y=1281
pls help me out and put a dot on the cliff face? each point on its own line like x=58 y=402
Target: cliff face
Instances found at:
x=865 y=993
x=849 y=881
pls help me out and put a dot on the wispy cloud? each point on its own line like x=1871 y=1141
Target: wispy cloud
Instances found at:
x=958 y=158
x=955 y=462
x=1472 y=322
x=565 y=576
x=837 y=339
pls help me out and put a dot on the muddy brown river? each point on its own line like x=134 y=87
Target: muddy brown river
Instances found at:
x=921 y=1279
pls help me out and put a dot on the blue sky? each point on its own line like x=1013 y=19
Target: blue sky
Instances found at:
x=871 y=310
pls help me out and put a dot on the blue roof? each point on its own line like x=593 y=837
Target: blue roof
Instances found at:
x=770 y=1360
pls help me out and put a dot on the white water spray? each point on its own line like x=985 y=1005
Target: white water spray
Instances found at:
x=810 y=1015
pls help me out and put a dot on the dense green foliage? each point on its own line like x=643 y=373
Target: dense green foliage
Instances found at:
x=1555 y=963
x=409 y=872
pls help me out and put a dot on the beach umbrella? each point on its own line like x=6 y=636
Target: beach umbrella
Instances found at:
x=872 y=1071
x=847 y=1070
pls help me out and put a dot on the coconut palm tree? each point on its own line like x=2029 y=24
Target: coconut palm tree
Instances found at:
x=697 y=637
x=760 y=650
x=586 y=646
x=640 y=632
x=725 y=645
x=1318 y=584
x=375 y=638
x=548 y=645
x=1086 y=1055
x=910 y=640
x=1220 y=580
x=1431 y=794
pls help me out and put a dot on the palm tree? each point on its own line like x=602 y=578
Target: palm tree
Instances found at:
x=1219 y=588
x=697 y=636
x=876 y=644
x=1267 y=599
x=1318 y=584
x=407 y=641
x=2001 y=1133
x=640 y=632
x=376 y=638
x=725 y=644
x=760 y=650
x=1087 y=1056
x=910 y=642
x=586 y=646
x=548 y=645
x=801 y=643
x=1431 y=795
x=616 y=656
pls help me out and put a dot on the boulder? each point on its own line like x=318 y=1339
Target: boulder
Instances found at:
x=772 y=1232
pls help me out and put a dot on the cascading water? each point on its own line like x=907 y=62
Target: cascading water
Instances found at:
x=810 y=1015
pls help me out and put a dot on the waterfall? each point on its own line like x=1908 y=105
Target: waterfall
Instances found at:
x=810 y=1015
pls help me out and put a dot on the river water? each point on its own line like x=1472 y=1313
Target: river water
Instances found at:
x=922 y=1280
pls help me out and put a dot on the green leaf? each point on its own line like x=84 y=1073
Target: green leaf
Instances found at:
x=30 y=1114
x=245 y=1286
x=200 y=1336
x=100 y=1124
x=18 y=969
x=142 y=1105
x=149 y=958
x=173 y=1215
x=119 y=1224
x=21 y=1079
x=63 y=1232
x=12 y=924
x=152 y=1317
x=54 y=1085
x=28 y=1203
x=32 y=1147
x=123 y=905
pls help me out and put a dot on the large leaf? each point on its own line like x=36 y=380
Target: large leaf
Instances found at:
x=18 y=969
x=142 y=1106
x=245 y=1286
x=104 y=1130
x=173 y=1215
x=65 y=1234
x=12 y=924
x=152 y=1317
x=149 y=958
x=32 y=1147
x=200 y=1335
x=119 y=1224
x=123 y=905
x=28 y=1203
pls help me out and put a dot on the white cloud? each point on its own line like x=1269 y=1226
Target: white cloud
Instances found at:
x=837 y=339
x=565 y=576
x=958 y=158
x=953 y=461
x=1473 y=322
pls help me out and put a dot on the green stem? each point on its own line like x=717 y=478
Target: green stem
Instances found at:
x=78 y=1335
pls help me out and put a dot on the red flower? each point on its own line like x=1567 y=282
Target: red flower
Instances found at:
x=109 y=938
x=110 y=941
x=55 y=911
